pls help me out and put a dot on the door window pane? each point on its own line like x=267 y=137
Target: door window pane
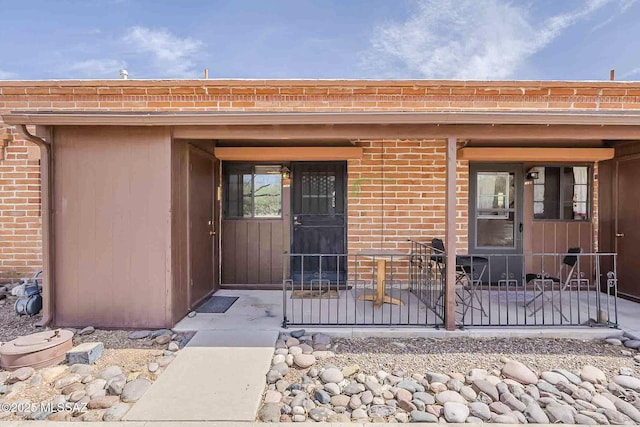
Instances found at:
x=495 y=209
x=252 y=191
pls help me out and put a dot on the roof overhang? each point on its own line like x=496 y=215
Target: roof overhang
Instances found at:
x=348 y=125
x=322 y=118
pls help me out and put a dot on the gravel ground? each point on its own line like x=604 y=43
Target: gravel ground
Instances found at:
x=420 y=355
x=11 y=325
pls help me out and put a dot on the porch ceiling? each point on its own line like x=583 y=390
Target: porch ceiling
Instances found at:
x=503 y=125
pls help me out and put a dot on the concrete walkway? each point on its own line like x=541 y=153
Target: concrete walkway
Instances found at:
x=218 y=376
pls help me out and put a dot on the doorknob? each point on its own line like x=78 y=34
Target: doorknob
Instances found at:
x=619 y=234
x=212 y=233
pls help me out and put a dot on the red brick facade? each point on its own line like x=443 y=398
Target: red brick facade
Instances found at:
x=395 y=192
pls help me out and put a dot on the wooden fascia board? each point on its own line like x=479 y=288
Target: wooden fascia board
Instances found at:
x=355 y=132
x=287 y=153
x=147 y=118
x=523 y=154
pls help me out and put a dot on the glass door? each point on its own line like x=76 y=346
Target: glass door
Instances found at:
x=495 y=218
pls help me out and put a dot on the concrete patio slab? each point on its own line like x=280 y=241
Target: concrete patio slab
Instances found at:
x=218 y=376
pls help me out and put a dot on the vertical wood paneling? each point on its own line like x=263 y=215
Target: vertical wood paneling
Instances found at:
x=179 y=229
x=252 y=252
x=112 y=222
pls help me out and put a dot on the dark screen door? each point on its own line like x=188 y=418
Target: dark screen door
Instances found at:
x=495 y=219
x=627 y=230
x=318 y=212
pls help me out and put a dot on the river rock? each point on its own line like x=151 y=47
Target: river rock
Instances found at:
x=66 y=381
x=351 y=370
x=627 y=382
x=87 y=330
x=109 y=372
x=593 y=375
x=560 y=413
x=331 y=375
x=573 y=378
x=425 y=397
x=455 y=412
x=103 y=402
x=450 y=396
x=535 y=414
x=480 y=410
x=511 y=401
x=602 y=402
x=321 y=396
x=116 y=412
x=134 y=390
x=488 y=388
x=359 y=414
x=553 y=377
x=269 y=413
x=340 y=400
x=423 y=417
x=21 y=374
x=635 y=344
x=616 y=417
x=519 y=372
x=437 y=377
x=138 y=335
x=601 y=419
x=381 y=411
x=584 y=420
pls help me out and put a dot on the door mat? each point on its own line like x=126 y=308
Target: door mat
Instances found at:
x=315 y=293
x=216 y=304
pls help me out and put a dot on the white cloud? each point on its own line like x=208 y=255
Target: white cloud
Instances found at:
x=96 y=68
x=172 y=56
x=466 y=39
x=6 y=75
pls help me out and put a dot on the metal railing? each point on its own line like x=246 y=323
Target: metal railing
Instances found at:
x=565 y=289
x=378 y=288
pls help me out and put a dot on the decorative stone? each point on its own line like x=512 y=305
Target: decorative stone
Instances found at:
x=321 y=396
x=116 y=412
x=85 y=353
x=635 y=344
x=272 y=396
x=340 y=400
x=153 y=367
x=455 y=412
x=138 y=335
x=423 y=417
x=613 y=341
x=66 y=380
x=269 y=413
x=425 y=397
x=437 y=377
x=519 y=372
x=487 y=388
x=573 y=378
x=350 y=370
x=297 y=333
x=593 y=375
x=109 y=372
x=165 y=360
x=304 y=360
x=359 y=414
x=584 y=420
x=103 y=402
x=320 y=414
x=331 y=375
x=134 y=390
x=560 y=413
x=116 y=384
x=162 y=339
x=450 y=396
x=480 y=410
x=87 y=330
x=627 y=382
x=20 y=374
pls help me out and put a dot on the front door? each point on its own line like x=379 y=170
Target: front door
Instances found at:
x=318 y=212
x=202 y=225
x=495 y=219
x=627 y=231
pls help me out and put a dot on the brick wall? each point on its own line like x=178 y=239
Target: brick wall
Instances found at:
x=397 y=182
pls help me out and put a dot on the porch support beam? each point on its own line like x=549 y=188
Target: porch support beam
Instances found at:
x=450 y=235
x=288 y=153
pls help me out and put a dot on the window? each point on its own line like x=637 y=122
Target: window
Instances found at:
x=252 y=191
x=561 y=193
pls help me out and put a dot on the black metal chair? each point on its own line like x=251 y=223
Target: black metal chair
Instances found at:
x=557 y=285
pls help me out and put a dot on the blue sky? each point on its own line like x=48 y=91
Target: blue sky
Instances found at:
x=458 y=39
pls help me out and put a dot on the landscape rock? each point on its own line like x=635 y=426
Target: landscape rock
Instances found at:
x=20 y=374
x=455 y=412
x=269 y=413
x=331 y=375
x=593 y=375
x=627 y=382
x=134 y=390
x=115 y=412
x=109 y=372
x=304 y=360
x=519 y=372
x=87 y=330
x=423 y=417
x=138 y=335
x=103 y=402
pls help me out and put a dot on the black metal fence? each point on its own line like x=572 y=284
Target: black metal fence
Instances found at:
x=568 y=289
x=379 y=288
x=408 y=289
